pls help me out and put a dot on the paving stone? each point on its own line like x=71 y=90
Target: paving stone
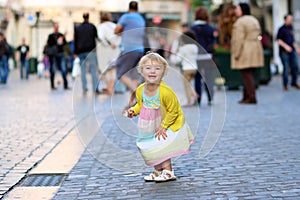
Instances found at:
x=254 y=157
x=31 y=117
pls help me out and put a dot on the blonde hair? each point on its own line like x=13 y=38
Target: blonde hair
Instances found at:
x=105 y=16
x=153 y=57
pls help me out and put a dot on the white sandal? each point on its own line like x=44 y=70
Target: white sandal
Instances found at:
x=165 y=176
x=151 y=177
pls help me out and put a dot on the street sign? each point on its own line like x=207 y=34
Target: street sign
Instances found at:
x=31 y=19
x=157 y=19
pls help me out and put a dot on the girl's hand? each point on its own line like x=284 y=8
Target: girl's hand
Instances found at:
x=161 y=133
x=128 y=113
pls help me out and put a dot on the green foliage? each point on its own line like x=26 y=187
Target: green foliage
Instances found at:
x=222 y=49
x=197 y=3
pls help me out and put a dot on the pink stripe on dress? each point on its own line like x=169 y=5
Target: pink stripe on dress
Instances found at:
x=148 y=114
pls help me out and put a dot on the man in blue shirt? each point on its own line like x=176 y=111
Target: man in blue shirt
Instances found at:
x=288 y=50
x=132 y=26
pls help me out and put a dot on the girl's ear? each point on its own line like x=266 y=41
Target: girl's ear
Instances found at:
x=165 y=71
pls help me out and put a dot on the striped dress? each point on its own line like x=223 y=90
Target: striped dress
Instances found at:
x=156 y=151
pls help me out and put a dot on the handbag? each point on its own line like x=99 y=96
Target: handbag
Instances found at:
x=51 y=50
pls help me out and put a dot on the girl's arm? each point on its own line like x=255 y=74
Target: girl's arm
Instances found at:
x=171 y=105
x=137 y=107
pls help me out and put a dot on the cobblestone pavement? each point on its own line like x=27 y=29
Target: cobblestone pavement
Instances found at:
x=33 y=120
x=256 y=156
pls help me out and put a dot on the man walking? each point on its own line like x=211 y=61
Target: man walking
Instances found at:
x=132 y=26
x=288 y=50
x=55 y=53
x=4 y=51
x=85 y=48
x=23 y=57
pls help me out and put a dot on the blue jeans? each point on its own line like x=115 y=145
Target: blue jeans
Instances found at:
x=4 y=70
x=59 y=63
x=24 y=65
x=89 y=58
x=290 y=62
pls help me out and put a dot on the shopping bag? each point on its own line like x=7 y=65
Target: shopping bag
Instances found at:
x=76 y=68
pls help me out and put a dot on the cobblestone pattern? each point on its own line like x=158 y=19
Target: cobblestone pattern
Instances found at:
x=33 y=120
x=256 y=156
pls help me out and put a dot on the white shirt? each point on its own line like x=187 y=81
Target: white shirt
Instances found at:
x=187 y=55
x=106 y=33
x=105 y=53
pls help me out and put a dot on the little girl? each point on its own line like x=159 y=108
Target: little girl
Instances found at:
x=162 y=130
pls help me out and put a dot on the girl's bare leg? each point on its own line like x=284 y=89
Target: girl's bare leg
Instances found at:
x=167 y=165
x=158 y=167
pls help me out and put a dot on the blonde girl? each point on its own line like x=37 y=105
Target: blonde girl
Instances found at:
x=162 y=130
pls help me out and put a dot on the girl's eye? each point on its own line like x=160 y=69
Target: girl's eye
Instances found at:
x=157 y=68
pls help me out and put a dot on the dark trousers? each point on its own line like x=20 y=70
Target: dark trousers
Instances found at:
x=198 y=87
x=204 y=77
x=249 y=84
x=59 y=63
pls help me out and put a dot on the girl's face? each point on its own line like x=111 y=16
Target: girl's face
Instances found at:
x=152 y=72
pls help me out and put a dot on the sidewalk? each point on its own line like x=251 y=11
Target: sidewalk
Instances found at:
x=33 y=121
x=255 y=156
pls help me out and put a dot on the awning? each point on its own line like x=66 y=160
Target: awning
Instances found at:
x=164 y=16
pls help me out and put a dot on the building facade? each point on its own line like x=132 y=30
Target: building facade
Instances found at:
x=33 y=19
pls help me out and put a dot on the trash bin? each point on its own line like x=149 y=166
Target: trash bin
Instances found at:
x=265 y=72
x=233 y=78
x=33 y=65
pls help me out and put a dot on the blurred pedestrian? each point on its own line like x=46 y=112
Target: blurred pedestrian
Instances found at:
x=288 y=50
x=162 y=46
x=176 y=43
x=85 y=48
x=23 y=57
x=132 y=28
x=67 y=53
x=108 y=49
x=55 y=52
x=267 y=41
x=246 y=50
x=46 y=63
x=187 y=56
x=162 y=130
x=205 y=36
x=4 y=52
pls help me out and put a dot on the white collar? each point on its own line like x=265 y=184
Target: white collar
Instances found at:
x=200 y=22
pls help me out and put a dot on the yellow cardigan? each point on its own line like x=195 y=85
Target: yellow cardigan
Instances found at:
x=172 y=114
